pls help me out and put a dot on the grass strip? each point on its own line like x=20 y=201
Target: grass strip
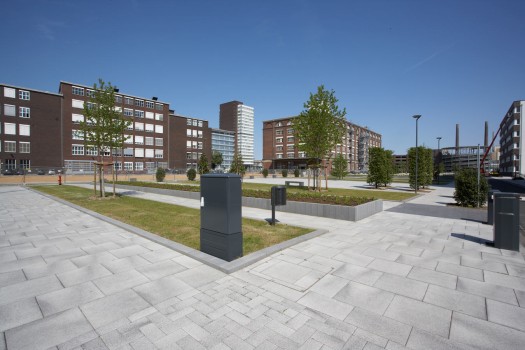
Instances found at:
x=179 y=224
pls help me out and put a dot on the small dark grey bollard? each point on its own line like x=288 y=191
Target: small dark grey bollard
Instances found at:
x=278 y=198
x=221 y=216
x=490 y=206
x=507 y=221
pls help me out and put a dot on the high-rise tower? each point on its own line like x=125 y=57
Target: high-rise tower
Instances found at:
x=236 y=116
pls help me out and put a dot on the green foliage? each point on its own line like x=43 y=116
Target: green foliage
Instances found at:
x=380 y=167
x=216 y=159
x=202 y=166
x=237 y=166
x=320 y=126
x=425 y=167
x=466 y=193
x=160 y=174
x=296 y=173
x=265 y=173
x=191 y=174
x=340 y=167
x=284 y=173
x=439 y=169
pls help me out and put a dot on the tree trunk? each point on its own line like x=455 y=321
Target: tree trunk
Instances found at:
x=95 y=180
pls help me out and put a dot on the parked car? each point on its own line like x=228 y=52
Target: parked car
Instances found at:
x=8 y=172
x=40 y=172
x=51 y=172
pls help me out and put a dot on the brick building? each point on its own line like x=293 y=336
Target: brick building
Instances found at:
x=190 y=138
x=239 y=118
x=511 y=145
x=280 y=146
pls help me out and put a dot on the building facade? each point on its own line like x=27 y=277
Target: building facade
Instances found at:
x=280 y=146
x=239 y=118
x=146 y=145
x=511 y=142
x=30 y=129
x=223 y=141
x=190 y=138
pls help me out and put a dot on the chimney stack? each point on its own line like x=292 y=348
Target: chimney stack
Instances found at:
x=457 y=137
x=486 y=134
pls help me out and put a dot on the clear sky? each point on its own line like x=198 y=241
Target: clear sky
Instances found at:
x=452 y=61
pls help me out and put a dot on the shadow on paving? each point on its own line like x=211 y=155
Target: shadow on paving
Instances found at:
x=471 y=214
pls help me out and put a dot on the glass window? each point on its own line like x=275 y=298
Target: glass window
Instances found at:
x=128 y=112
x=139 y=152
x=139 y=114
x=24 y=112
x=9 y=129
x=188 y=132
x=159 y=116
x=139 y=166
x=139 y=126
x=159 y=129
x=159 y=106
x=90 y=93
x=188 y=144
x=9 y=146
x=24 y=147
x=149 y=141
x=149 y=127
x=128 y=100
x=91 y=151
x=139 y=140
x=10 y=110
x=149 y=153
x=75 y=90
x=150 y=104
x=24 y=163
x=118 y=99
x=159 y=141
x=128 y=139
x=279 y=140
x=195 y=122
x=77 y=135
x=128 y=166
x=77 y=150
x=279 y=132
x=24 y=130
x=150 y=115
x=159 y=153
x=78 y=104
x=139 y=103
x=200 y=123
x=199 y=133
x=188 y=122
x=77 y=118
x=128 y=152
x=9 y=92
x=23 y=95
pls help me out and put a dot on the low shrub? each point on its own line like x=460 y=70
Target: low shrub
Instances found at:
x=265 y=173
x=296 y=172
x=191 y=174
x=160 y=174
x=466 y=193
x=284 y=173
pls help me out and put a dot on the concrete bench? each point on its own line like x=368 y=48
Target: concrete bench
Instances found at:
x=298 y=183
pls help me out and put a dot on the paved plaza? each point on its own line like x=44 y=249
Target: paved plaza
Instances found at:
x=395 y=280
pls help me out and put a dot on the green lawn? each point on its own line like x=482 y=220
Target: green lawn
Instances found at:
x=179 y=224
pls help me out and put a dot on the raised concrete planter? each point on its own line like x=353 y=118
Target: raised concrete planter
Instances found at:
x=341 y=212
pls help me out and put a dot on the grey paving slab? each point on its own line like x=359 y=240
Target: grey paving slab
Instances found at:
x=91 y=259
x=120 y=281
x=358 y=274
x=421 y=340
x=49 y=331
x=49 y=269
x=515 y=270
x=402 y=286
x=505 y=280
x=199 y=276
x=27 y=289
x=382 y=326
x=329 y=285
x=161 y=269
x=390 y=267
x=326 y=305
x=11 y=277
x=433 y=277
x=162 y=289
x=484 y=334
x=20 y=264
x=506 y=314
x=68 y=298
x=433 y=319
x=83 y=274
x=466 y=303
x=462 y=271
x=18 y=313
x=366 y=297
x=483 y=264
x=114 y=307
x=520 y=295
x=487 y=290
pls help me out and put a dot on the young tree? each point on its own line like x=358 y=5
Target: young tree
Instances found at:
x=424 y=168
x=237 y=166
x=389 y=165
x=216 y=159
x=320 y=127
x=103 y=126
x=467 y=193
x=339 y=167
x=202 y=166
x=377 y=170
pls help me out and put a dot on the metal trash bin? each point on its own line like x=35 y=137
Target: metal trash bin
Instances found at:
x=221 y=216
x=507 y=221
x=278 y=195
x=490 y=206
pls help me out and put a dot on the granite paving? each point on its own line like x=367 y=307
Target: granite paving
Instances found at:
x=395 y=280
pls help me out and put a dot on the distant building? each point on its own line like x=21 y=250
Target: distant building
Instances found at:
x=30 y=128
x=223 y=141
x=280 y=146
x=239 y=118
x=401 y=163
x=455 y=158
x=190 y=138
x=511 y=145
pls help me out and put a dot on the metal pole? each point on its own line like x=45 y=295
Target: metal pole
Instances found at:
x=478 y=176
x=439 y=139
x=417 y=119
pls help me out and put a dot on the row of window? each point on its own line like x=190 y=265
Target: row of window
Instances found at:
x=280 y=131
x=10 y=163
x=290 y=155
x=10 y=147
x=80 y=150
x=141 y=140
x=79 y=91
x=194 y=133
x=194 y=144
x=10 y=111
x=10 y=129
x=194 y=122
x=128 y=112
x=288 y=139
x=22 y=94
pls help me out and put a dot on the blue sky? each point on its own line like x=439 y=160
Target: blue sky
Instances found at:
x=452 y=61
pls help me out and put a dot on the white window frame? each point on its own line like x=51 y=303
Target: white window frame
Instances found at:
x=9 y=129
x=24 y=130
x=9 y=92
x=9 y=110
x=24 y=95
x=159 y=129
x=24 y=147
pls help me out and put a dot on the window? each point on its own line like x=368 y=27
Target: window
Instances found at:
x=118 y=99
x=78 y=104
x=279 y=124
x=188 y=122
x=159 y=107
x=10 y=110
x=128 y=152
x=279 y=132
x=90 y=93
x=9 y=129
x=128 y=139
x=159 y=129
x=139 y=114
x=289 y=139
x=290 y=131
x=188 y=144
x=200 y=124
x=188 y=132
x=128 y=166
x=279 y=148
x=150 y=104
x=77 y=135
x=290 y=147
x=77 y=118
x=23 y=95
x=159 y=116
x=9 y=92
x=91 y=151
x=279 y=155
x=200 y=134
x=139 y=103
x=77 y=150
x=139 y=152
x=149 y=127
x=24 y=130
x=139 y=166
x=128 y=112
x=24 y=147
x=194 y=133
x=75 y=90
x=149 y=153
x=150 y=115
x=128 y=100
x=149 y=141
x=139 y=126
x=24 y=163
x=159 y=153
x=195 y=122
x=290 y=155
x=9 y=146
x=91 y=105
x=199 y=145
x=139 y=140
x=279 y=140
x=159 y=141
x=23 y=112
x=10 y=163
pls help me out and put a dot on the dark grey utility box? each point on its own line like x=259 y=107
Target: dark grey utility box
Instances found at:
x=490 y=206
x=278 y=195
x=221 y=216
x=507 y=221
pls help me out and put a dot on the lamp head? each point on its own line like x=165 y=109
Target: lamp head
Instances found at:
x=417 y=116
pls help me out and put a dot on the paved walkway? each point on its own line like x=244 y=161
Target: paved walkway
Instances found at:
x=70 y=281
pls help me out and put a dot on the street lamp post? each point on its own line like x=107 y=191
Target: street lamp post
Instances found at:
x=439 y=139
x=416 y=117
